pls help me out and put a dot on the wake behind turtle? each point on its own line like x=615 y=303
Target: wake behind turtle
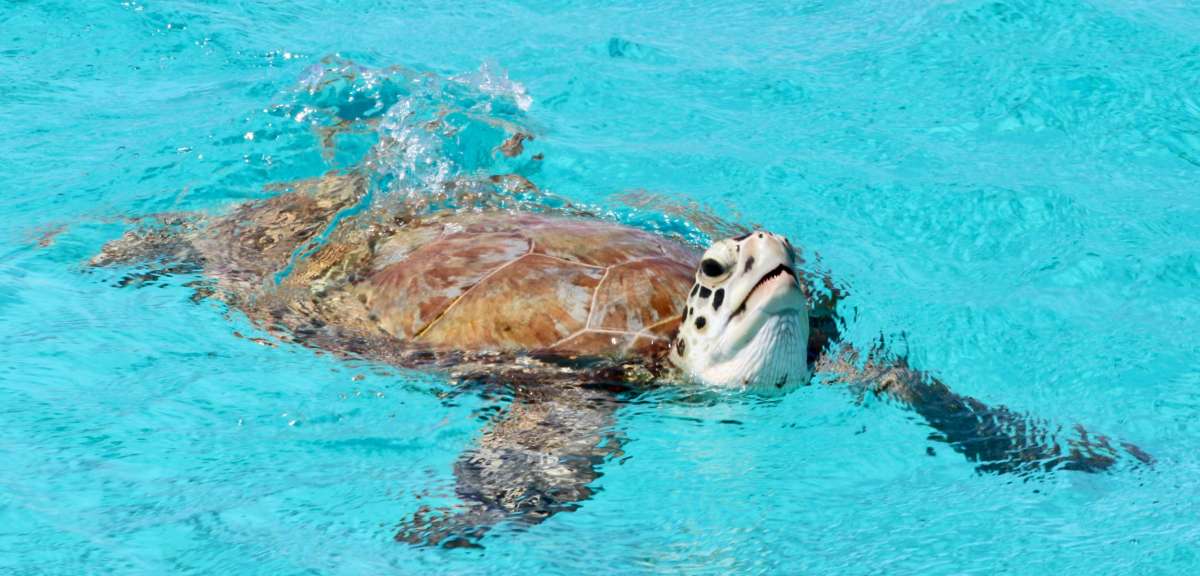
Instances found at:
x=566 y=311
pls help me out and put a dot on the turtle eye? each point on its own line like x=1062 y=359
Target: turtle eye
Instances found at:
x=711 y=268
x=716 y=264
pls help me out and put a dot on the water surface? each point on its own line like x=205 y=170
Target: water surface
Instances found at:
x=1010 y=185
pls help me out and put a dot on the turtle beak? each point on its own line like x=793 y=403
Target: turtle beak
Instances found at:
x=779 y=291
x=776 y=290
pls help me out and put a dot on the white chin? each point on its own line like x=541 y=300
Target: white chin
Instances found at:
x=774 y=360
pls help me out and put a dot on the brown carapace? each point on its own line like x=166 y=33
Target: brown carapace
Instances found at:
x=380 y=283
x=522 y=282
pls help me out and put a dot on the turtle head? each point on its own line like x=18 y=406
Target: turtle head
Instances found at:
x=746 y=320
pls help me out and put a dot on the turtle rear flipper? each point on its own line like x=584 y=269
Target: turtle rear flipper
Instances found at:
x=161 y=245
x=161 y=237
x=242 y=249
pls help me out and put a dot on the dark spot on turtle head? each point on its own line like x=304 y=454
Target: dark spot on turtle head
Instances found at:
x=781 y=381
x=718 y=298
x=700 y=322
x=680 y=347
x=742 y=237
x=705 y=292
x=760 y=235
x=749 y=263
x=695 y=287
x=685 y=314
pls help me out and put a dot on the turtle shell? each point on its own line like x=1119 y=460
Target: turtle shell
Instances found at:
x=528 y=282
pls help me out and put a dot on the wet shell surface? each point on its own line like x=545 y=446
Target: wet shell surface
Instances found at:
x=511 y=282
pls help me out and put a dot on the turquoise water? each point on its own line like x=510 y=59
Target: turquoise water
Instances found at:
x=1011 y=185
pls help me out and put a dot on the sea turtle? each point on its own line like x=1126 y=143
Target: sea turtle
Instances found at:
x=565 y=310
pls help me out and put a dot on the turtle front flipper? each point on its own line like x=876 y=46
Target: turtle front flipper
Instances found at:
x=998 y=439
x=540 y=458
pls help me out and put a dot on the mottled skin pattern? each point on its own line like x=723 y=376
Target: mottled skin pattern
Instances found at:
x=565 y=314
